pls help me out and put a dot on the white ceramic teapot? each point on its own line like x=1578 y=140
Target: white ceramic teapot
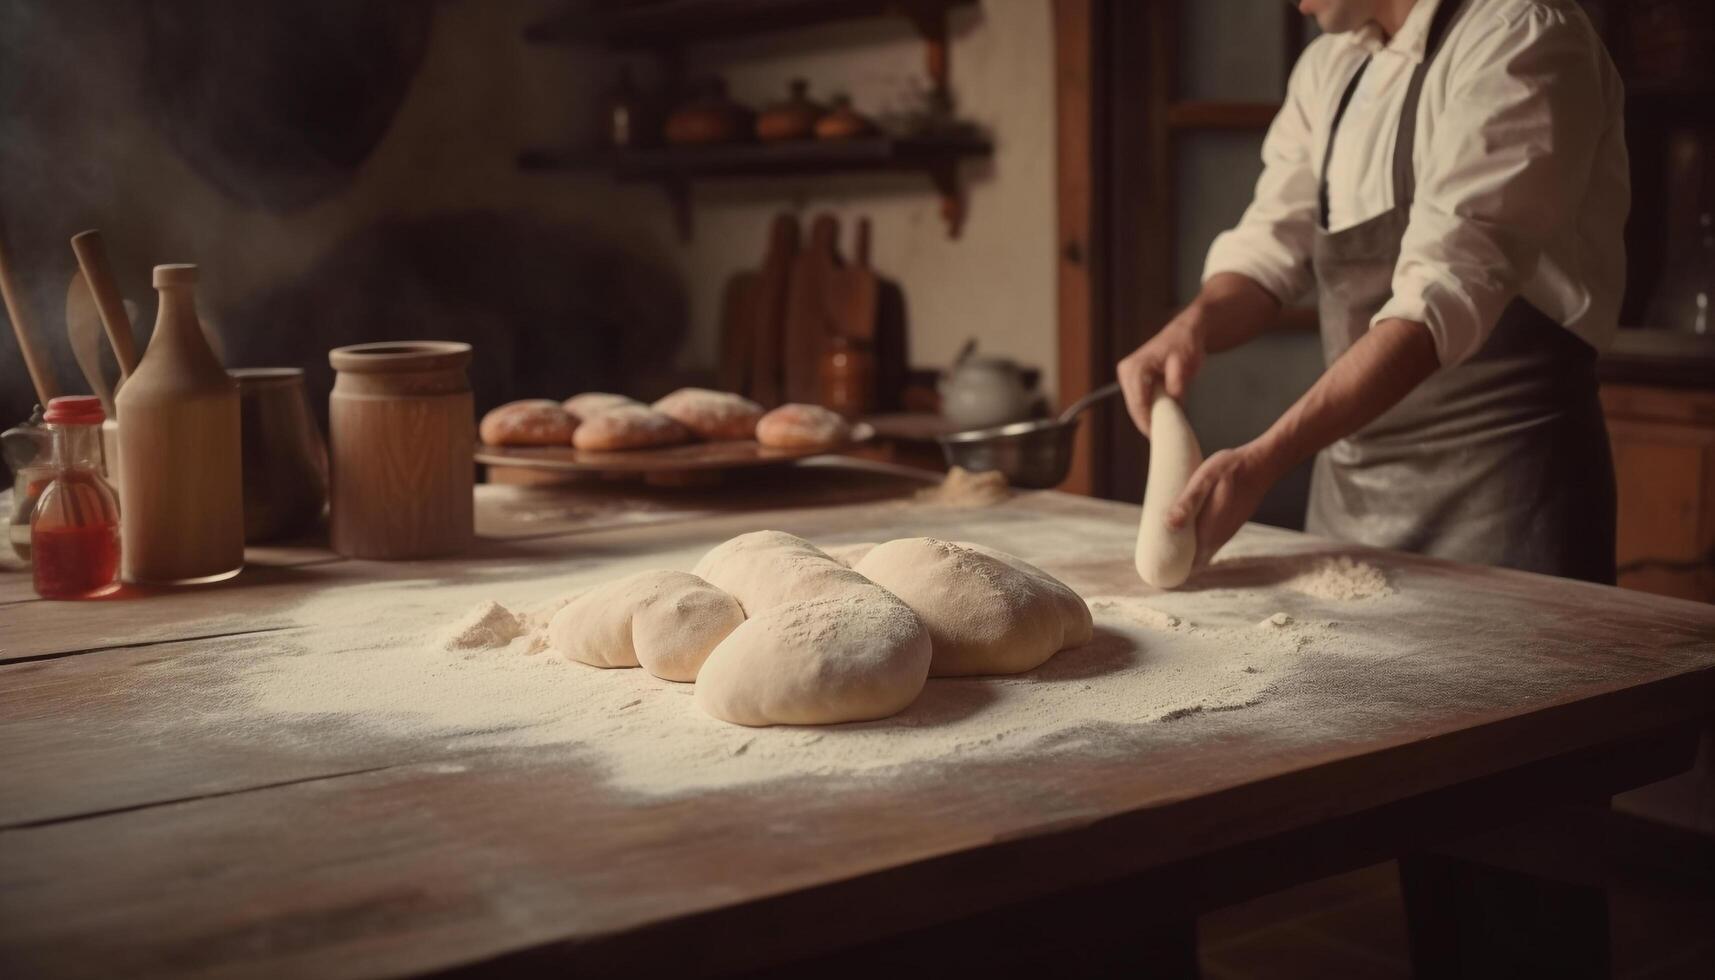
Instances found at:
x=979 y=392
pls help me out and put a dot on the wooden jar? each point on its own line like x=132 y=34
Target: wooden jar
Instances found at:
x=402 y=442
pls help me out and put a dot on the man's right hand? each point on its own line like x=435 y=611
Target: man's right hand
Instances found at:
x=1172 y=357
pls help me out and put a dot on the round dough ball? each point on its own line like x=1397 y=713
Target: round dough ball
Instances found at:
x=987 y=612
x=798 y=426
x=668 y=622
x=531 y=422
x=629 y=427
x=857 y=656
x=717 y=416
x=764 y=569
x=592 y=403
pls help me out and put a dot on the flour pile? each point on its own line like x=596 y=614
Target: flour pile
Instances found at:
x=433 y=665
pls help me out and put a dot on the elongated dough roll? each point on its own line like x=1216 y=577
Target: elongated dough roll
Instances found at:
x=1164 y=557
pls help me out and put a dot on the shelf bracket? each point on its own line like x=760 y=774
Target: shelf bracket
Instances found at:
x=945 y=176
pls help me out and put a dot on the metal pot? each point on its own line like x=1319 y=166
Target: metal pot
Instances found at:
x=1035 y=455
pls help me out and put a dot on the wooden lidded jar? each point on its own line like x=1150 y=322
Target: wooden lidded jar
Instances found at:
x=181 y=498
x=402 y=443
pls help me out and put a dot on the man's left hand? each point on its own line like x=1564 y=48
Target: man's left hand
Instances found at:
x=1221 y=496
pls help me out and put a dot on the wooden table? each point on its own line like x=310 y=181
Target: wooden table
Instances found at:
x=137 y=838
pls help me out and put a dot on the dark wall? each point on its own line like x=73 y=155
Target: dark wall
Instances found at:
x=343 y=172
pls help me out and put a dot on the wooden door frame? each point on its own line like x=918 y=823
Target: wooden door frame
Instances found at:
x=1111 y=106
x=1116 y=116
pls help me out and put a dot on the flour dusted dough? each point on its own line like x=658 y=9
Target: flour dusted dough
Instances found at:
x=718 y=416
x=665 y=621
x=987 y=612
x=592 y=403
x=531 y=422
x=628 y=427
x=799 y=426
x=822 y=645
x=855 y=656
x=850 y=554
x=1164 y=557
x=764 y=569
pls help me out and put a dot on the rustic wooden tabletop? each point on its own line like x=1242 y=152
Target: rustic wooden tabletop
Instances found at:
x=153 y=820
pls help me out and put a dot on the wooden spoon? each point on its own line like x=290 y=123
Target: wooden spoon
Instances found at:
x=35 y=359
x=98 y=276
x=83 y=327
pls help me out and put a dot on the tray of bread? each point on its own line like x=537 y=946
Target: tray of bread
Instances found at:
x=690 y=430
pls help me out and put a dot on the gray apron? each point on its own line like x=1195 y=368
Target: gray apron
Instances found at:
x=1500 y=460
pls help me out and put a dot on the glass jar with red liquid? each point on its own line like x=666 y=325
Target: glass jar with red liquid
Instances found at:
x=74 y=532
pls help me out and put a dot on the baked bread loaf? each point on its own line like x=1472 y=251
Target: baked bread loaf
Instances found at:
x=718 y=416
x=591 y=403
x=799 y=426
x=629 y=427
x=531 y=422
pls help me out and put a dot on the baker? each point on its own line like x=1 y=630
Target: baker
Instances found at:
x=1451 y=176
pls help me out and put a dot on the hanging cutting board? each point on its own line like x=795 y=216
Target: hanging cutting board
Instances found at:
x=809 y=318
x=755 y=308
x=852 y=292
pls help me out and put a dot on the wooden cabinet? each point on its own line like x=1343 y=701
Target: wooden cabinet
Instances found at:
x=1664 y=459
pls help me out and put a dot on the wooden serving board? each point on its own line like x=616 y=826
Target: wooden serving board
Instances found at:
x=691 y=457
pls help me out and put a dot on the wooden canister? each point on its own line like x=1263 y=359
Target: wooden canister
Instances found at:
x=402 y=442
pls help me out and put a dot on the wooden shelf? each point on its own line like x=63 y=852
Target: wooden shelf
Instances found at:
x=1222 y=115
x=937 y=157
x=666 y=23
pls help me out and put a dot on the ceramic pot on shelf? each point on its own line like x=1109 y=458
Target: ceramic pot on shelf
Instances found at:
x=711 y=116
x=793 y=119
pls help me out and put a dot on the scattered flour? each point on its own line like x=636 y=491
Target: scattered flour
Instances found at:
x=431 y=665
x=487 y=626
x=962 y=488
x=1341 y=578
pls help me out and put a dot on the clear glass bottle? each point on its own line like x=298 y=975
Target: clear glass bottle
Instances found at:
x=74 y=532
x=27 y=448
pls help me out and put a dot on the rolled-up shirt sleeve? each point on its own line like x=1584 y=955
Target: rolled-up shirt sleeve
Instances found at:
x=1272 y=243
x=1507 y=172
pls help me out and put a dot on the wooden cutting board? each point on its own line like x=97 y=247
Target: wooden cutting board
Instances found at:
x=752 y=311
x=852 y=293
x=809 y=319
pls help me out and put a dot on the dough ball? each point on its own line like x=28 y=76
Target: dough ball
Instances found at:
x=592 y=403
x=531 y=422
x=798 y=426
x=665 y=621
x=986 y=612
x=717 y=416
x=629 y=427
x=857 y=656
x=764 y=569
x=850 y=554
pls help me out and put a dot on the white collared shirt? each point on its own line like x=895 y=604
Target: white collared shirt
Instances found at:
x=1523 y=183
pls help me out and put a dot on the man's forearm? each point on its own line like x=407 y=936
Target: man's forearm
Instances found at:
x=1231 y=310
x=1385 y=364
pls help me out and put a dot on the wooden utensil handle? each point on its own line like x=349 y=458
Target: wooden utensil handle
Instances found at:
x=35 y=359
x=92 y=259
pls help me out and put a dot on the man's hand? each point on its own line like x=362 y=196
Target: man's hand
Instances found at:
x=1221 y=496
x=1229 y=310
x=1171 y=357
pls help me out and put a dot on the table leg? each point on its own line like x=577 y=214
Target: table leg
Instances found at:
x=1473 y=920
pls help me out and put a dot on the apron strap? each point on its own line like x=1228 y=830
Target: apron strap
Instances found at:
x=1334 y=128
x=1404 y=175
